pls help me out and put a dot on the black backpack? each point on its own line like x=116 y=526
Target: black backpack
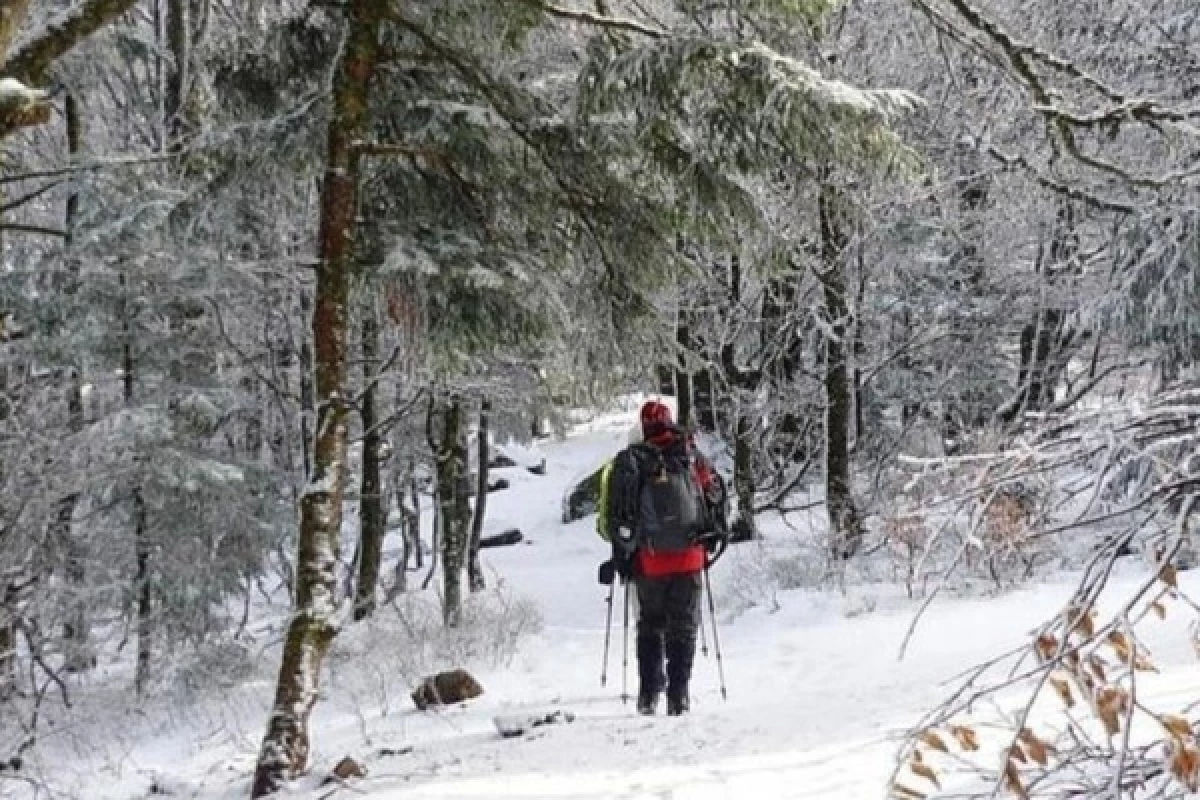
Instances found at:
x=661 y=501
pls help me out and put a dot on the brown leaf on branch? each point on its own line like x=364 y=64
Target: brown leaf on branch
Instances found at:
x=1063 y=688
x=1012 y=779
x=1169 y=575
x=1037 y=749
x=966 y=737
x=1159 y=609
x=1176 y=725
x=1120 y=645
x=926 y=772
x=1111 y=703
x=1046 y=646
x=1099 y=667
x=1185 y=764
x=934 y=741
x=1083 y=622
x=902 y=792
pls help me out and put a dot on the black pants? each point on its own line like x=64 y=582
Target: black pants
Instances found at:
x=668 y=620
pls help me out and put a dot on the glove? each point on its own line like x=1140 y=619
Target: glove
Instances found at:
x=605 y=574
x=713 y=540
x=714 y=543
x=622 y=561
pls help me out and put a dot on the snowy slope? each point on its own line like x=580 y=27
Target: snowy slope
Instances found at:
x=817 y=698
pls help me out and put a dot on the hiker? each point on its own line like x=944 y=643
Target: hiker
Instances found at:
x=662 y=506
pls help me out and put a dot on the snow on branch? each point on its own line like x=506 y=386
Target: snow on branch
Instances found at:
x=1023 y=60
x=31 y=62
x=598 y=20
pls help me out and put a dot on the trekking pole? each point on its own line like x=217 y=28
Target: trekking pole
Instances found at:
x=712 y=613
x=607 y=633
x=625 y=651
x=703 y=635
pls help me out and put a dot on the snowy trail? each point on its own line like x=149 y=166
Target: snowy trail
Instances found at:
x=818 y=699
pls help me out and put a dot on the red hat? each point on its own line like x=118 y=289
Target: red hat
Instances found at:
x=654 y=417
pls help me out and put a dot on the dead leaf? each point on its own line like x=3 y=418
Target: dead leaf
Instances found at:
x=1099 y=667
x=1037 y=749
x=1111 y=703
x=1142 y=663
x=1012 y=779
x=1080 y=621
x=1176 y=725
x=1047 y=646
x=1064 y=691
x=902 y=792
x=1016 y=753
x=1120 y=645
x=1159 y=609
x=965 y=737
x=934 y=741
x=1169 y=575
x=927 y=773
x=1185 y=764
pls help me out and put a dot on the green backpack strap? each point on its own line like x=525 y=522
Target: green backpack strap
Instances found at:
x=602 y=528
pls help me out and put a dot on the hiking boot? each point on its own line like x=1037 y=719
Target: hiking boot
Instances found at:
x=678 y=703
x=647 y=703
x=650 y=673
x=680 y=653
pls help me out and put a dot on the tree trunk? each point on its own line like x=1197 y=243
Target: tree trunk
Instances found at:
x=845 y=526
x=860 y=354
x=145 y=594
x=372 y=519
x=284 y=753
x=78 y=656
x=452 y=495
x=308 y=403
x=410 y=528
x=683 y=379
x=175 y=105
x=743 y=526
x=414 y=493
x=8 y=654
x=474 y=568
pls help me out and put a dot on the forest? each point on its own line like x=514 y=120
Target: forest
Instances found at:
x=307 y=304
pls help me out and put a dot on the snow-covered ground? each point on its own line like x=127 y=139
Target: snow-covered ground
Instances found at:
x=818 y=698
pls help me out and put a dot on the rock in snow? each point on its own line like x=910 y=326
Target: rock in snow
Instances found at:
x=446 y=688
x=512 y=725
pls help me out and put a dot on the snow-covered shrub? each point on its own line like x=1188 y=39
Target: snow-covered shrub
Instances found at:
x=223 y=663
x=393 y=649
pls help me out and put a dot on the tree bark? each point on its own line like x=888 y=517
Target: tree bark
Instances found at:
x=308 y=403
x=845 y=526
x=474 y=568
x=372 y=519
x=34 y=59
x=285 y=747
x=12 y=17
x=145 y=594
x=76 y=630
x=683 y=378
x=743 y=526
x=178 y=41
x=452 y=499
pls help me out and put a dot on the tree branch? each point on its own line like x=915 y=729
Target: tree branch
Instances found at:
x=31 y=62
x=598 y=20
x=32 y=229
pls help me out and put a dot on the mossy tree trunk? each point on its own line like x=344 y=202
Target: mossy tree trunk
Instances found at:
x=285 y=747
